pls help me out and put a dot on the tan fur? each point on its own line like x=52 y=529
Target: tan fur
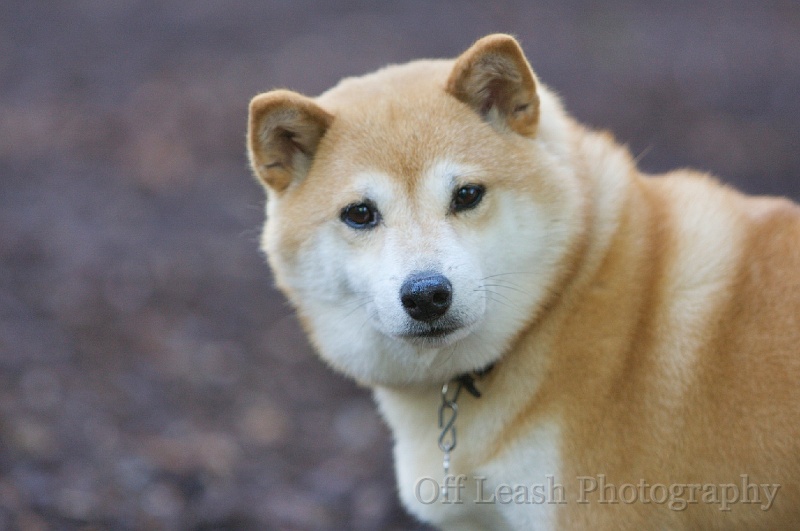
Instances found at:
x=664 y=344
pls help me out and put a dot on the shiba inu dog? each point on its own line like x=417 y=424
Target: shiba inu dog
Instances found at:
x=628 y=346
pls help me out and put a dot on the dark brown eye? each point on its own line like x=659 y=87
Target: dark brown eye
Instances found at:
x=360 y=215
x=467 y=197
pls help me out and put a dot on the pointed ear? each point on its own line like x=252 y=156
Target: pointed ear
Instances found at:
x=283 y=133
x=495 y=79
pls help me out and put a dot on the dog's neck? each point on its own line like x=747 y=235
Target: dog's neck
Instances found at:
x=412 y=412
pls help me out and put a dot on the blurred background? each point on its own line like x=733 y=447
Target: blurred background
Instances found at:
x=150 y=375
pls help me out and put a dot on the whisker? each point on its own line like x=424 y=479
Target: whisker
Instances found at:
x=506 y=297
x=489 y=297
x=252 y=235
x=642 y=154
x=505 y=281
x=447 y=358
x=370 y=315
x=512 y=288
x=509 y=273
x=348 y=314
x=359 y=299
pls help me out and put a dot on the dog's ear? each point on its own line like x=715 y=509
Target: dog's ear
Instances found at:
x=283 y=133
x=495 y=79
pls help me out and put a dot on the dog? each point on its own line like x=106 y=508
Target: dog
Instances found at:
x=556 y=340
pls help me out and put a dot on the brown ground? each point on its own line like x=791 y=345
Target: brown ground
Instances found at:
x=150 y=377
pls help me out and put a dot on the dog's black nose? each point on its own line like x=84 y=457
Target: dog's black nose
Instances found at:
x=426 y=296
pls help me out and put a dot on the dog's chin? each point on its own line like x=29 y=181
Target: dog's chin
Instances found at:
x=435 y=336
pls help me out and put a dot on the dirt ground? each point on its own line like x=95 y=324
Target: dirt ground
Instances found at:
x=150 y=376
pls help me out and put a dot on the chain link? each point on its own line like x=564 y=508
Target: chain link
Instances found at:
x=447 y=439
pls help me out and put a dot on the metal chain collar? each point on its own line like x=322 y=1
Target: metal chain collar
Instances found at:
x=447 y=439
x=448 y=411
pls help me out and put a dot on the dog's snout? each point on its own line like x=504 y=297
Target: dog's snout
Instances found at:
x=426 y=296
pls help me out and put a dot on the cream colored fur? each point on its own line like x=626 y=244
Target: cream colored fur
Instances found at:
x=643 y=328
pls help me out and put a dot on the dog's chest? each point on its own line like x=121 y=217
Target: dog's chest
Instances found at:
x=519 y=487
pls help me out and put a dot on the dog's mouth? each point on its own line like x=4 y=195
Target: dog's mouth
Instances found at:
x=432 y=335
x=433 y=332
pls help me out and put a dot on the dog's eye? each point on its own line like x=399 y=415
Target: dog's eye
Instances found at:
x=360 y=215
x=467 y=197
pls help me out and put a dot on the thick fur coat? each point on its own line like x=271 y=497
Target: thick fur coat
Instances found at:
x=440 y=217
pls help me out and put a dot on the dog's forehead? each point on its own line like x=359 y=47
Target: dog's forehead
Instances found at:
x=397 y=135
x=402 y=122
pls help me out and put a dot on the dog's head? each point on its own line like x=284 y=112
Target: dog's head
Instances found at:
x=418 y=217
